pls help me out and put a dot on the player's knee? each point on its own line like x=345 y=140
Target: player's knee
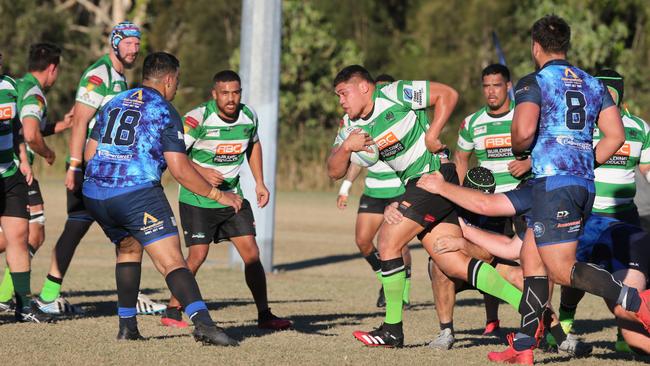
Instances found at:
x=365 y=246
x=197 y=254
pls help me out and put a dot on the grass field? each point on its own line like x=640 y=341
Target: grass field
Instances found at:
x=321 y=283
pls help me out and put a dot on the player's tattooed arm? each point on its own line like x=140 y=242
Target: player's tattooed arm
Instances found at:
x=444 y=98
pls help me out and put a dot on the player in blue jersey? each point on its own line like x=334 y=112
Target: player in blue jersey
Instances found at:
x=137 y=135
x=556 y=110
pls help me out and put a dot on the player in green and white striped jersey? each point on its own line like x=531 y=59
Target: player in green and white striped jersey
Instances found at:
x=43 y=69
x=219 y=135
x=14 y=215
x=615 y=180
x=382 y=187
x=487 y=133
x=408 y=144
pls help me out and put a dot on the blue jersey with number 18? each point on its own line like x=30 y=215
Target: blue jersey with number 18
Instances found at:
x=570 y=101
x=133 y=131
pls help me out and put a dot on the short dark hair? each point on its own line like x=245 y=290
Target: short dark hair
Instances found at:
x=614 y=80
x=42 y=55
x=384 y=78
x=552 y=33
x=225 y=76
x=351 y=71
x=159 y=64
x=494 y=69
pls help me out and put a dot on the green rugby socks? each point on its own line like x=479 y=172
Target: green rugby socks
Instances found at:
x=487 y=279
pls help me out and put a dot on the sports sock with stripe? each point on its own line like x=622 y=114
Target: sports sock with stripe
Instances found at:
x=487 y=279
x=6 y=287
x=393 y=279
x=183 y=286
x=127 y=278
x=51 y=288
x=597 y=281
x=532 y=307
x=21 y=288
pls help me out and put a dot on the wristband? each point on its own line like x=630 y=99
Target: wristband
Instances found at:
x=345 y=188
x=74 y=168
x=74 y=162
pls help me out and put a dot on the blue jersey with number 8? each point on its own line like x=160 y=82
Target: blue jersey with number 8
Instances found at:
x=133 y=131
x=570 y=101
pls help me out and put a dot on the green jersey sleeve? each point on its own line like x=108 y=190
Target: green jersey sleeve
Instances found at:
x=94 y=86
x=193 y=125
x=408 y=93
x=465 y=139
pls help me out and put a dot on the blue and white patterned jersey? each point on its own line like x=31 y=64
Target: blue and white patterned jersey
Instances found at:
x=133 y=131
x=570 y=101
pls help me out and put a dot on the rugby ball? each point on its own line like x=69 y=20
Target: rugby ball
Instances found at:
x=362 y=158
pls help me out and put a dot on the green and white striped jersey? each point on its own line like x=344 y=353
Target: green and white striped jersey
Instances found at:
x=615 y=186
x=99 y=84
x=489 y=136
x=398 y=129
x=217 y=144
x=8 y=114
x=381 y=180
x=31 y=102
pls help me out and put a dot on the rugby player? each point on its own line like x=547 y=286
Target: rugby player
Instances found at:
x=136 y=136
x=408 y=145
x=14 y=214
x=565 y=102
x=99 y=83
x=382 y=187
x=219 y=135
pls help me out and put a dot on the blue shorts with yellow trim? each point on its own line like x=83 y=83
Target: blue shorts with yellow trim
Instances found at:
x=143 y=213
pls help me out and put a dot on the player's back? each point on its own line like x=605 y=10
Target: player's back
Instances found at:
x=570 y=102
x=133 y=131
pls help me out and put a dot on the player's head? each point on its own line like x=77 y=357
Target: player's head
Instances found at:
x=161 y=70
x=354 y=86
x=384 y=79
x=44 y=59
x=614 y=83
x=496 y=82
x=125 y=42
x=226 y=92
x=551 y=36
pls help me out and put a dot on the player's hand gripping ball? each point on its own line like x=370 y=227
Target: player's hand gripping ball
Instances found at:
x=366 y=157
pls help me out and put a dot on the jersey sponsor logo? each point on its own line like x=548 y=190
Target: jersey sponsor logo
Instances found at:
x=408 y=94
x=621 y=157
x=191 y=122
x=93 y=82
x=571 y=226
x=6 y=111
x=570 y=74
x=40 y=100
x=538 y=229
x=498 y=147
x=570 y=78
x=562 y=214
x=569 y=141
x=150 y=224
x=480 y=130
x=227 y=153
x=389 y=145
x=390 y=116
x=108 y=155
x=134 y=100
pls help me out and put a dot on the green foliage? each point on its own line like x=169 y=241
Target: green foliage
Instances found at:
x=439 y=40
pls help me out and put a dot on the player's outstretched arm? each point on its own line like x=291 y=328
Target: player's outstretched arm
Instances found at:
x=496 y=244
x=611 y=126
x=339 y=159
x=444 y=98
x=496 y=205
x=182 y=170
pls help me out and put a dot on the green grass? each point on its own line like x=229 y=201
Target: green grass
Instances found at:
x=321 y=283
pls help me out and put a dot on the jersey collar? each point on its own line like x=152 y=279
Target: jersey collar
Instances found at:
x=32 y=79
x=499 y=115
x=215 y=109
x=562 y=62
